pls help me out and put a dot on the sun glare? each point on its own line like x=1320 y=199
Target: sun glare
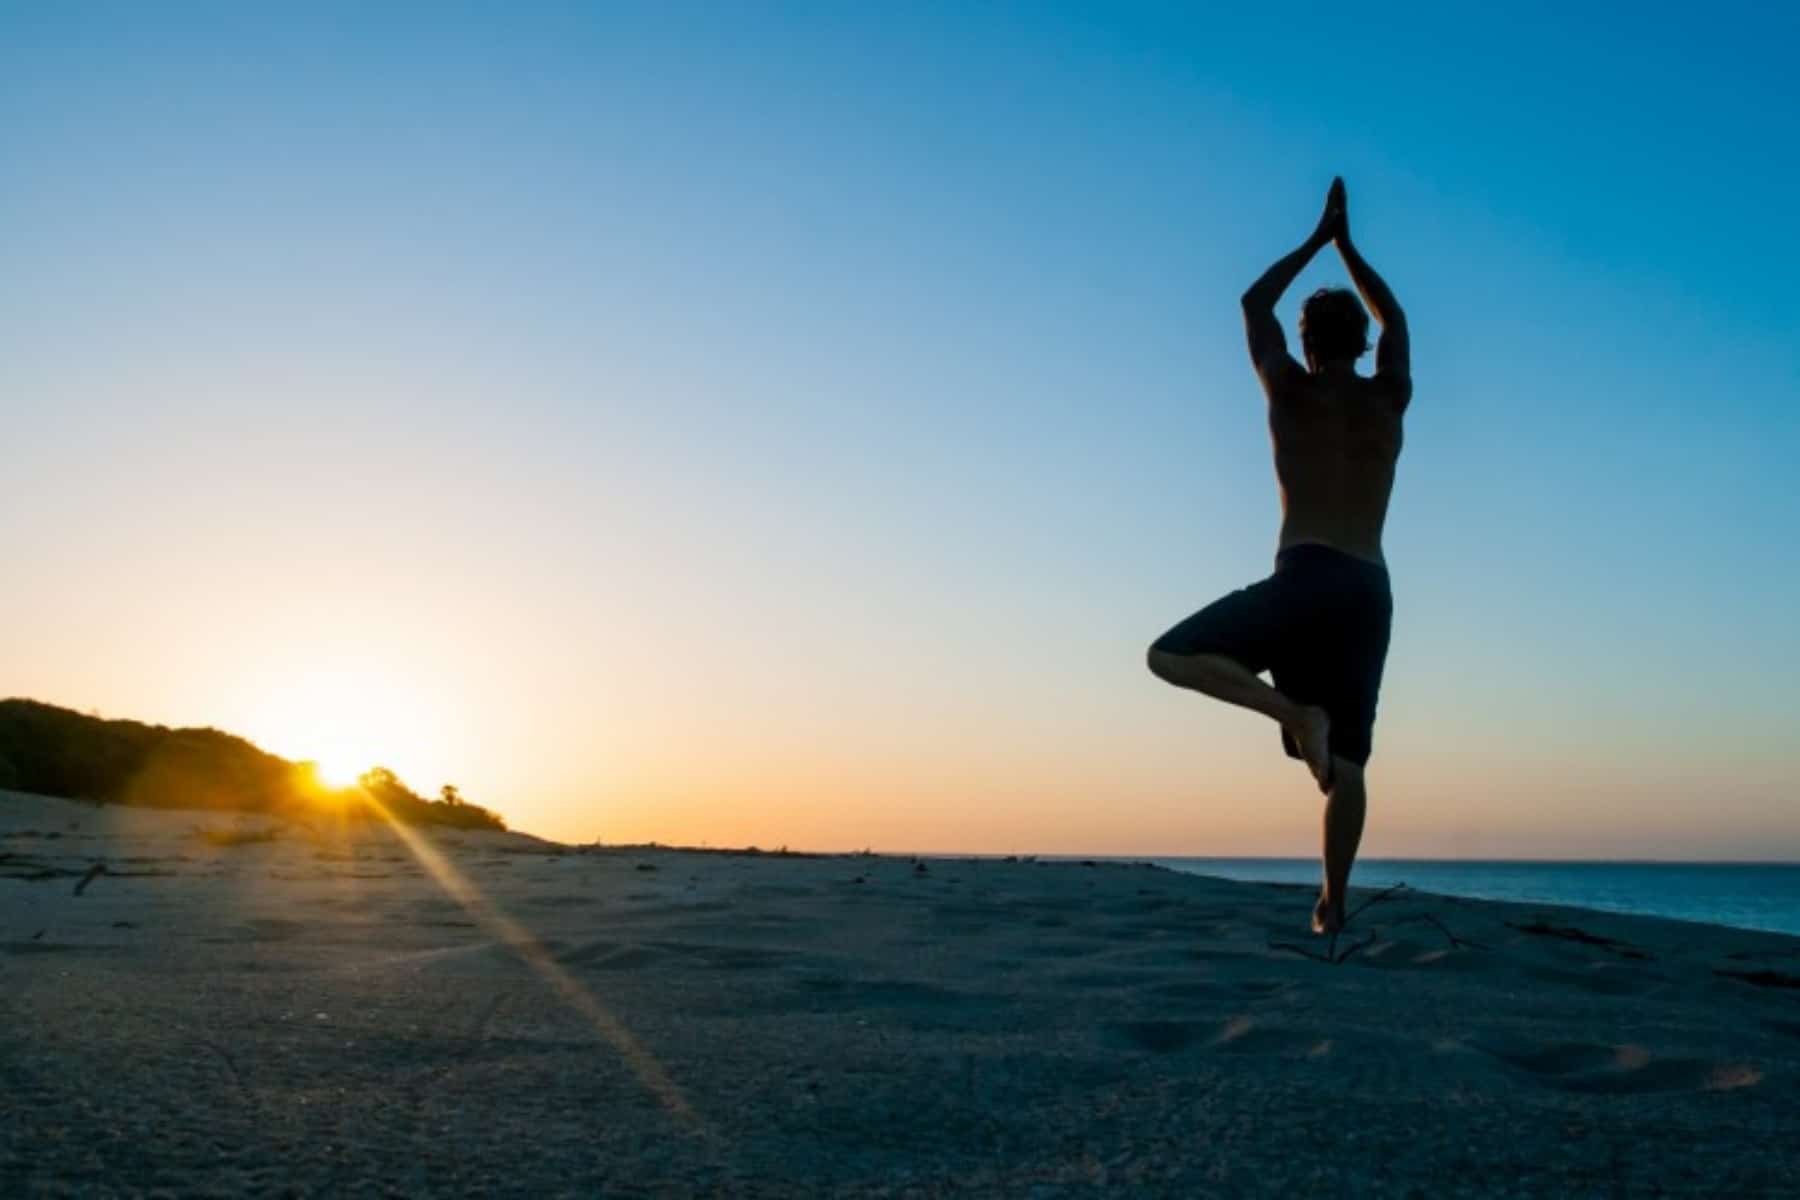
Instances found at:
x=347 y=719
x=338 y=769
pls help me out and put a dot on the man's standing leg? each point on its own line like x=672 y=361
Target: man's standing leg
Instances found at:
x=1345 y=806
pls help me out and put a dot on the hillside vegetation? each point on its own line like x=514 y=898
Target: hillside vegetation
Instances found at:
x=59 y=752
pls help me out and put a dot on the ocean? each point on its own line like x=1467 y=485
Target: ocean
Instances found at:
x=1745 y=895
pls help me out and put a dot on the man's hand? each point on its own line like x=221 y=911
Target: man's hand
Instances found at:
x=1334 y=222
x=1268 y=345
x=1393 y=353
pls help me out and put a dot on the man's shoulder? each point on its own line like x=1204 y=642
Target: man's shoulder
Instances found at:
x=1394 y=389
x=1281 y=374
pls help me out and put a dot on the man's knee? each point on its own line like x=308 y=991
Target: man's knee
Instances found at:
x=1169 y=666
x=1183 y=670
x=1346 y=775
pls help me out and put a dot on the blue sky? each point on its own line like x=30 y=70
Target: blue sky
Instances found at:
x=790 y=423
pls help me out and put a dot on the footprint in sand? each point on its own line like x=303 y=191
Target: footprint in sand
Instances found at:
x=1588 y=1067
x=1158 y=1037
x=1408 y=954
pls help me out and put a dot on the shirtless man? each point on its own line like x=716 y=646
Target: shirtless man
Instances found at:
x=1319 y=625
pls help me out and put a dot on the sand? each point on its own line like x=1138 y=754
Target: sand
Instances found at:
x=317 y=1014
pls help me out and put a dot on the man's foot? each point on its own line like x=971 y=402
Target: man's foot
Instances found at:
x=1328 y=915
x=1311 y=732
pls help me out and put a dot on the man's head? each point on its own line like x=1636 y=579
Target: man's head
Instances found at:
x=1333 y=328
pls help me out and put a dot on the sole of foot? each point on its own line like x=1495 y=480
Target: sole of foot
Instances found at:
x=1312 y=733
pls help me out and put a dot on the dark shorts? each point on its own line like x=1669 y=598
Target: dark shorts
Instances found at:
x=1319 y=625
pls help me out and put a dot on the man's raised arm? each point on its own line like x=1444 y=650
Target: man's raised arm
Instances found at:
x=1268 y=345
x=1393 y=353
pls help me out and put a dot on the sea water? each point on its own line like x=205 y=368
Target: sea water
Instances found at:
x=1745 y=895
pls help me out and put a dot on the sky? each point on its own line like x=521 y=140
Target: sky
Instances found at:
x=790 y=424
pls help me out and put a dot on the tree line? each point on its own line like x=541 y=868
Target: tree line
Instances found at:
x=60 y=752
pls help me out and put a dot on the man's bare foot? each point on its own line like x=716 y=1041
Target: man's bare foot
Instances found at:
x=1328 y=917
x=1311 y=731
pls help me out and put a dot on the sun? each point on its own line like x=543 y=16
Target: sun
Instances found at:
x=346 y=718
x=339 y=749
x=339 y=769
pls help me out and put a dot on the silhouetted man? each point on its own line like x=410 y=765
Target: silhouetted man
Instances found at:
x=1320 y=623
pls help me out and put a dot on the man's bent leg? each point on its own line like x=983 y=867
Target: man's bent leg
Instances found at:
x=1344 y=811
x=1224 y=678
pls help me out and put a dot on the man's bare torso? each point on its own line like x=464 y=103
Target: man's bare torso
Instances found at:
x=1336 y=439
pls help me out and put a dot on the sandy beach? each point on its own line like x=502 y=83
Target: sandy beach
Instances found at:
x=487 y=1013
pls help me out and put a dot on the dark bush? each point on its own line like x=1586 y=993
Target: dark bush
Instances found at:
x=59 y=752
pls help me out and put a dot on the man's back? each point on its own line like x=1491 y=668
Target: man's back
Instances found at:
x=1336 y=436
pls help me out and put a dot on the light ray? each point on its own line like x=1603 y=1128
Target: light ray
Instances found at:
x=644 y=1065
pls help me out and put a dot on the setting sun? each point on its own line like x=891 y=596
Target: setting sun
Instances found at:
x=340 y=768
x=346 y=719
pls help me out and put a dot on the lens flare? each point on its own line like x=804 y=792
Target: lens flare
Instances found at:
x=649 y=1072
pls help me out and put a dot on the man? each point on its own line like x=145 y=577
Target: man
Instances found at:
x=1320 y=623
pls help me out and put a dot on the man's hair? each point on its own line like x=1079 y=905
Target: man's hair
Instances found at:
x=1333 y=326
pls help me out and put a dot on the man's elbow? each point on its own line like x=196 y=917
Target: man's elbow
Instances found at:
x=1253 y=302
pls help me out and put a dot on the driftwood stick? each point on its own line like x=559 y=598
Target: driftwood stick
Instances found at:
x=1377 y=898
x=1302 y=951
x=94 y=872
x=1331 y=955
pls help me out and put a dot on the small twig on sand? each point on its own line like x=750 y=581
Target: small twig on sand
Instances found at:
x=1302 y=951
x=1331 y=954
x=94 y=872
x=1377 y=898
